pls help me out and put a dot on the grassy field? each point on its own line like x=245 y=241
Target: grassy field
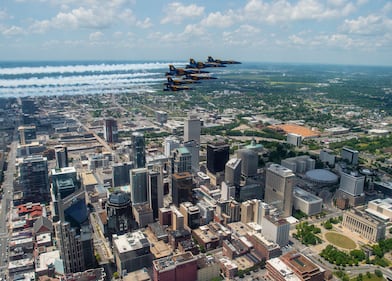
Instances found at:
x=373 y=277
x=340 y=240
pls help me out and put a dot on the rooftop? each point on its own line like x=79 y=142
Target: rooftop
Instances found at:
x=299 y=262
x=283 y=269
x=306 y=196
x=88 y=178
x=172 y=261
x=130 y=241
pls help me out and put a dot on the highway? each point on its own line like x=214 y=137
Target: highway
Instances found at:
x=6 y=205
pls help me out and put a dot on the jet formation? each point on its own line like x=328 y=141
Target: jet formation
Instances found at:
x=192 y=73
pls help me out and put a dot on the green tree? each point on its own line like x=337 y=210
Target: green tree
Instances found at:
x=328 y=225
x=378 y=273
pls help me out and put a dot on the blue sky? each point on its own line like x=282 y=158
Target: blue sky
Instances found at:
x=310 y=31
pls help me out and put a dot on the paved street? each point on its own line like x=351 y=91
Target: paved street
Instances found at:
x=5 y=206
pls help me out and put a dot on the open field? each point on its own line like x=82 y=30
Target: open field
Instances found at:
x=340 y=240
x=373 y=277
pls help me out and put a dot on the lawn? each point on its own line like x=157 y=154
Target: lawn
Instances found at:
x=340 y=240
x=373 y=277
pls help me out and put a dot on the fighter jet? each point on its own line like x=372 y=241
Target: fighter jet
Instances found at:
x=181 y=71
x=199 y=65
x=171 y=81
x=199 y=77
x=175 y=88
x=211 y=60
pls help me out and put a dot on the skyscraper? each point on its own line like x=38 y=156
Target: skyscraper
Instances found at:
x=171 y=143
x=73 y=232
x=182 y=160
x=110 y=130
x=139 y=186
x=34 y=179
x=64 y=181
x=119 y=213
x=138 y=150
x=120 y=174
x=279 y=188
x=155 y=188
x=217 y=156
x=192 y=127
x=194 y=149
x=182 y=186
x=61 y=152
x=233 y=172
x=249 y=162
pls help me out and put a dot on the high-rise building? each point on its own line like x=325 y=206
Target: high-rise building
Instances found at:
x=34 y=179
x=294 y=139
x=161 y=117
x=61 y=152
x=350 y=155
x=352 y=183
x=119 y=213
x=249 y=162
x=279 y=188
x=138 y=150
x=73 y=233
x=69 y=244
x=170 y=144
x=155 y=188
x=120 y=174
x=276 y=230
x=182 y=186
x=110 y=130
x=131 y=252
x=191 y=215
x=64 y=181
x=139 y=185
x=28 y=105
x=194 y=149
x=192 y=127
x=182 y=160
x=27 y=134
x=233 y=172
x=227 y=191
x=217 y=156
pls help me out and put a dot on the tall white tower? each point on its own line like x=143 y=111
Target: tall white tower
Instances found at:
x=192 y=127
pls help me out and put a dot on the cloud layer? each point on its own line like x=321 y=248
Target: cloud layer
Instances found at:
x=252 y=30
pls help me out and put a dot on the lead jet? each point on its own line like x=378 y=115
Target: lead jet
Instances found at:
x=175 y=88
x=211 y=60
x=199 y=65
x=181 y=71
x=171 y=81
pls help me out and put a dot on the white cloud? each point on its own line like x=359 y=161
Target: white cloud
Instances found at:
x=296 y=40
x=89 y=14
x=146 y=23
x=219 y=20
x=244 y=35
x=95 y=36
x=369 y=25
x=3 y=15
x=284 y=10
x=176 y=12
x=11 y=30
x=387 y=8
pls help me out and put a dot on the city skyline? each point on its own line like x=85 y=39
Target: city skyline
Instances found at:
x=305 y=31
